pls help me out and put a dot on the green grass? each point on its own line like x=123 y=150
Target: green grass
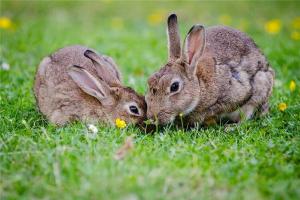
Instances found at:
x=259 y=159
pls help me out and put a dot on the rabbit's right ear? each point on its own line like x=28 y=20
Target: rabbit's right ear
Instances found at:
x=88 y=83
x=173 y=38
x=193 y=46
x=105 y=68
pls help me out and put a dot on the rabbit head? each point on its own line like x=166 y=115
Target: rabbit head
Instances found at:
x=174 y=89
x=116 y=101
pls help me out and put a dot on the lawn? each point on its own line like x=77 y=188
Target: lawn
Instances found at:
x=258 y=159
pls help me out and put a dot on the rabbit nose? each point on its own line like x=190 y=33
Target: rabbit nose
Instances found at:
x=151 y=115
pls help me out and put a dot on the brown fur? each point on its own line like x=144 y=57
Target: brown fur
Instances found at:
x=61 y=100
x=229 y=75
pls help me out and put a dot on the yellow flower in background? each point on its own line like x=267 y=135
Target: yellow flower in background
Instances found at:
x=295 y=35
x=107 y=1
x=273 y=27
x=156 y=17
x=243 y=25
x=282 y=106
x=120 y=123
x=117 y=23
x=296 y=23
x=292 y=86
x=5 y=23
x=225 y=19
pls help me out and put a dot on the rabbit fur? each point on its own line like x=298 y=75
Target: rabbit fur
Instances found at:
x=220 y=72
x=75 y=83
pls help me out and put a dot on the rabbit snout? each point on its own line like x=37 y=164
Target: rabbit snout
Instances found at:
x=161 y=116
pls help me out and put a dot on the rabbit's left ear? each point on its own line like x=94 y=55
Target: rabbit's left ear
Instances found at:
x=193 y=46
x=173 y=37
x=105 y=68
x=88 y=83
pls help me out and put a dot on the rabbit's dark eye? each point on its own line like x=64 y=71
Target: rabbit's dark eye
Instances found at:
x=154 y=91
x=134 y=110
x=174 y=87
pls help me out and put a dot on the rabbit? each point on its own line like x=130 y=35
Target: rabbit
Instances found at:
x=75 y=83
x=219 y=72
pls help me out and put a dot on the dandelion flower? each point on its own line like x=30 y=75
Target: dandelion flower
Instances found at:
x=117 y=23
x=132 y=80
x=125 y=148
x=243 y=25
x=273 y=27
x=296 y=23
x=292 y=86
x=180 y=114
x=282 y=106
x=295 y=35
x=92 y=128
x=120 y=123
x=5 y=66
x=24 y=122
x=148 y=121
x=156 y=17
x=91 y=131
x=225 y=19
x=107 y=1
x=5 y=23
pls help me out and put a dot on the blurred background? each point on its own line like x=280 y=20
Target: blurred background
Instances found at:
x=257 y=160
x=133 y=32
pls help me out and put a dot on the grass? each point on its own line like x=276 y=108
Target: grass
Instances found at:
x=259 y=159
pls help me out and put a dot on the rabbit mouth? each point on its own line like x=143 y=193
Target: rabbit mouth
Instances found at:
x=164 y=117
x=161 y=117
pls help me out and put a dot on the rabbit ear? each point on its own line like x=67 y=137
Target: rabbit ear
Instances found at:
x=88 y=83
x=193 y=46
x=111 y=63
x=105 y=67
x=173 y=37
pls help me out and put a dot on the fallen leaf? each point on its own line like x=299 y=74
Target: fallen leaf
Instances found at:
x=123 y=150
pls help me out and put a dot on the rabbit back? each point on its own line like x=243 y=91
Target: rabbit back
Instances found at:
x=234 y=48
x=239 y=72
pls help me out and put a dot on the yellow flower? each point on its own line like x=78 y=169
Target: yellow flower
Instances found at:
x=225 y=19
x=180 y=114
x=117 y=23
x=296 y=23
x=120 y=123
x=273 y=26
x=292 y=86
x=5 y=23
x=282 y=106
x=243 y=25
x=156 y=17
x=107 y=1
x=295 y=35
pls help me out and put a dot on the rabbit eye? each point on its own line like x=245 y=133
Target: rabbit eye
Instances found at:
x=174 y=87
x=134 y=110
x=154 y=91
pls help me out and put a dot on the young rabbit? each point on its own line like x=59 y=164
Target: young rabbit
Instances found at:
x=75 y=83
x=218 y=72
